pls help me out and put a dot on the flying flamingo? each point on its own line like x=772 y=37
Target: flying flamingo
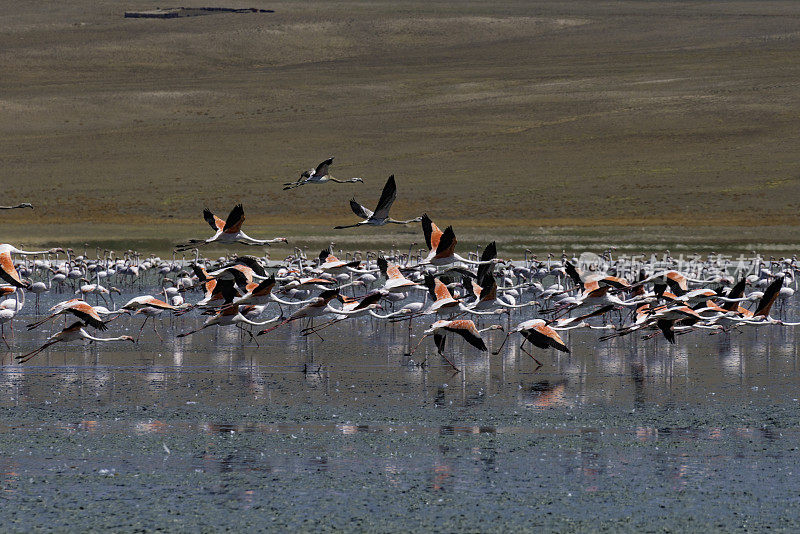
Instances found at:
x=320 y=175
x=230 y=315
x=7 y=270
x=22 y=205
x=77 y=307
x=486 y=295
x=350 y=308
x=442 y=245
x=445 y=303
x=381 y=214
x=73 y=332
x=228 y=231
x=395 y=281
x=319 y=306
x=540 y=334
x=150 y=307
x=463 y=327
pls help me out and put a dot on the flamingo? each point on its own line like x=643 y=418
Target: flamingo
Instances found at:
x=442 y=245
x=350 y=308
x=540 y=334
x=332 y=265
x=77 y=307
x=319 y=306
x=150 y=307
x=395 y=281
x=7 y=270
x=73 y=332
x=37 y=288
x=22 y=205
x=228 y=231
x=261 y=294
x=320 y=175
x=381 y=214
x=486 y=295
x=7 y=314
x=463 y=327
x=97 y=290
x=445 y=303
x=229 y=315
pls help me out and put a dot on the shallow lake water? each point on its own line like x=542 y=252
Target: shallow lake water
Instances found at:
x=211 y=431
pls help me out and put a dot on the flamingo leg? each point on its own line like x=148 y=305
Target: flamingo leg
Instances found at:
x=411 y=352
x=522 y=348
x=502 y=344
x=457 y=370
x=142 y=328
x=156 y=330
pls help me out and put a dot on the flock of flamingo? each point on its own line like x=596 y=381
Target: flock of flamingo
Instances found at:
x=444 y=290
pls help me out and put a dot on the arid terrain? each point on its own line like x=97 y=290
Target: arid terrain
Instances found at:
x=595 y=122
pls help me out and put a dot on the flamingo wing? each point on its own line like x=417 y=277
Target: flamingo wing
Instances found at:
x=573 y=273
x=213 y=221
x=542 y=336
x=371 y=298
x=440 y=290
x=388 y=195
x=359 y=210
x=9 y=273
x=615 y=282
x=438 y=340
x=769 y=297
x=488 y=254
x=431 y=231
x=488 y=289
x=666 y=329
x=322 y=168
x=736 y=292
x=447 y=243
x=265 y=287
x=234 y=221
x=251 y=262
x=86 y=313
x=466 y=329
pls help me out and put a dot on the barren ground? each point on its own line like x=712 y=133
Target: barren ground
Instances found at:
x=627 y=121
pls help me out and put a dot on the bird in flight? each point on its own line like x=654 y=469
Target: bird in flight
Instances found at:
x=319 y=175
x=8 y=273
x=73 y=332
x=463 y=327
x=380 y=216
x=227 y=231
x=22 y=205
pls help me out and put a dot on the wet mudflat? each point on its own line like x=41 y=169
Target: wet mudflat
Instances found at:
x=209 y=433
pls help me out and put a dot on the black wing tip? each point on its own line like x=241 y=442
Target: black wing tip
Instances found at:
x=329 y=293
